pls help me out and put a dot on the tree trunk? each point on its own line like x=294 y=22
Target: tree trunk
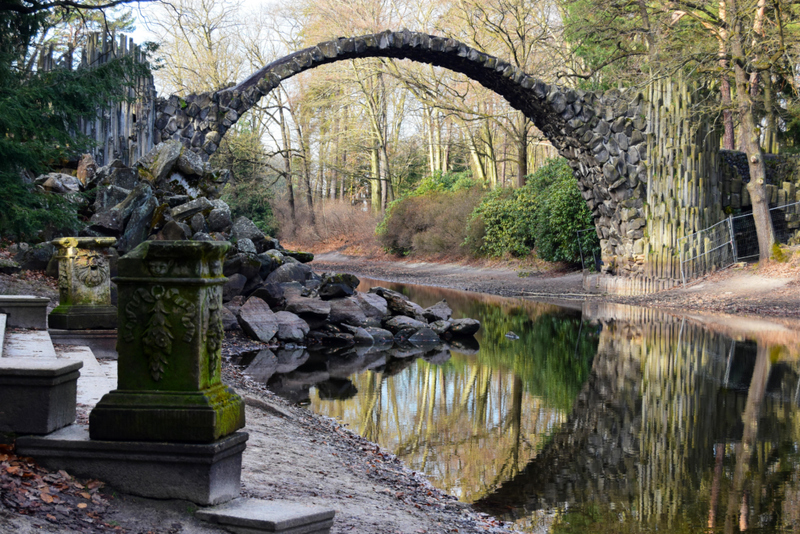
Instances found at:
x=375 y=180
x=522 y=151
x=287 y=160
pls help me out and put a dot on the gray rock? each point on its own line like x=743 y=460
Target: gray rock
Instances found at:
x=174 y=231
x=302 y=257
x=56 y=182
x=262 y=366
x=291 y=327
x=464 y=327
x=346 y=311
x=202 y=236
x=9 y=266
x=374 y=306
x=229 y=321
x=402 y=336
x=337 y=285
x=379 y=335
x=308 y=308
x=291 y=359
x=360 y=336
x=123 y=177
x=198 y=223
x=424 y=337
x=398 y=306
x=247 y=265
x=438 y=312
x=330 y=339
x=176 y=200
x=257 y=320
x=246 y=246
x=276 y=255
x=398 y=322
x=161 y=159
x=219 y=220
x=286 y=273
x=190 y=163
x=233 y=287
x=272 y=294
x=440 y=327
x=268 y=264
x=108 y=197
x=190 y=209
x=35 y=258
x=244 y=227
x=138 y=226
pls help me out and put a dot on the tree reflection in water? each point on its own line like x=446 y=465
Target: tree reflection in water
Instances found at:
x=613 y=419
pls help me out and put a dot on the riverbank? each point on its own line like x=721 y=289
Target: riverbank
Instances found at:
x=742 y=290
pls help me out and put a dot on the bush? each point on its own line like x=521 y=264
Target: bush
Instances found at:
x=546 y=214
x=251 y=200
x=433 y=218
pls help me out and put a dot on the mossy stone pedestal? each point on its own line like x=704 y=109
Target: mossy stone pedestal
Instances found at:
x=169 y=346
x=84 y=284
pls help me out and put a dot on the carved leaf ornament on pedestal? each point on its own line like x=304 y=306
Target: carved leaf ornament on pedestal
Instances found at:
x=162 y=307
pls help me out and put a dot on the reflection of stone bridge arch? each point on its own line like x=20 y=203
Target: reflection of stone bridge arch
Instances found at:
x=602 y=136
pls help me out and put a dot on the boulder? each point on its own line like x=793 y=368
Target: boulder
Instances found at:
x=257 y=320
x=440 y=327
x=424 y=337
x=398 y=322
x=302 y=257
x=198 y=223
x=233 y=287
x=87 y=169
x=190 y=163
x=438 y=312
x=35 y=258
x=464 y=327
x=138 y=226
x=268 y=264
x=337 y=285
x=123 y=177
x=219 y=220
x=56 y=182
x=114 y=220
x=272 y=294
x=346 y=311
x=310 y=310
x=402 y=336
x=190 y=209
x=246 y=246
x=379 y=335
x=229 y=320
x=9 y=266
x=374 y=306
x=276 y=255
x=174 y=201
x=244 y=227
x=108 y=197
x=247 y=265
x=202 y=236
x=291 y=327
x=398 y=306
x=158 y=163
x=174 y=231
x=360 y=336
x=286 y=273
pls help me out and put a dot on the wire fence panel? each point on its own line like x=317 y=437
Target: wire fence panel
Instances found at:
x=733 y=240
x=707 y=250
x=785 y=224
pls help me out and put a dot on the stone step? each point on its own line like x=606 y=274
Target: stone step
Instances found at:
x=28 y=344
x=25 y=311
x=251 y=516
x=96 y=379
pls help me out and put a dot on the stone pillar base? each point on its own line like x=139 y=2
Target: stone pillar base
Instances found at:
x=191 y=416
x=25 y=311
x=205 y=474
x=37 y=395
x=251 y=516
x=68 y=317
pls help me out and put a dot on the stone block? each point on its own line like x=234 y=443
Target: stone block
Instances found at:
x=246 y=516
x=103 y=343
x=25 y=311
x=37 y=395
x=206 y=474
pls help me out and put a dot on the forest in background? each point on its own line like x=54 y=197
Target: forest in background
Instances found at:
x=330 y=152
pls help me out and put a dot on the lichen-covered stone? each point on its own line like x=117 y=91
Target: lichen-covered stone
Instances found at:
x=257 y=320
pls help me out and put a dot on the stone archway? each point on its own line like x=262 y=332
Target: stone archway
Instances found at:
x=603 y=137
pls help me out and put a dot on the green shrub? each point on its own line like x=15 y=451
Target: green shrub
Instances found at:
x=252 y=200
x=433 y=218
x=546 y=214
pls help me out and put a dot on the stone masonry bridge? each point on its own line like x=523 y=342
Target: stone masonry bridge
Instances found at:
x=604 y=137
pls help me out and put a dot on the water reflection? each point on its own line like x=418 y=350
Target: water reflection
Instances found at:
x=603 y=419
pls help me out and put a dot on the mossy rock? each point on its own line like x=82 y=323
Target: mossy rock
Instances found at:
x=302 y=257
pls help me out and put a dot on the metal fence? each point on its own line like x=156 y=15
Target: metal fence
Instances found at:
x=733 y=240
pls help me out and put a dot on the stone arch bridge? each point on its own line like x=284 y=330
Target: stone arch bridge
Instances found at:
x=606 y=138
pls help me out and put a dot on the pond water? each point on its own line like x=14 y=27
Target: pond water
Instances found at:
x=600 y=418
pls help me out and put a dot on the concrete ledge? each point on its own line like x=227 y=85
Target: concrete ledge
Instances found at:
x=25 y=311
x=83 y=317
x=29 y=344
x=37 y=395
x=103 y=343
x=250 y=516
x=202 y=473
